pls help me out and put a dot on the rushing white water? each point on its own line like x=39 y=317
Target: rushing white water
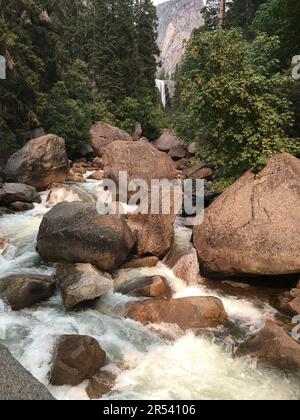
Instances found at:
x=170 y=365
x=161 y=86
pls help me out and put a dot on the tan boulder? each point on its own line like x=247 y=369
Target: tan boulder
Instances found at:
x=187 y=313
x=40 y=163
x=103 y=134
x=253 y=228
x=101 y=384
x=272 y=346
x=152 y=287
x=138 y=262
x=289 y=302
x=199 y=171
x=167 y=141
x=96 y=176
x=76 y=359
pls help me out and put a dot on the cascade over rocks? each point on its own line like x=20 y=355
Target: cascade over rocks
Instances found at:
x=77 y=233
x=272 y=346
x=139 y=159
x=153 y=286
x=187 y=313
x=16 y=383
x=11 y=193
x=23 y=291
x=103 y=134
x=253 y=228
x=76 y=359
x=40 y=163
x=81 y=283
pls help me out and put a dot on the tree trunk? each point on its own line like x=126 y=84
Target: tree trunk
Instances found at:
x=222 y=14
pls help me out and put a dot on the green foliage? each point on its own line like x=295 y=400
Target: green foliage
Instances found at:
x=242 y=12
x=227 y=101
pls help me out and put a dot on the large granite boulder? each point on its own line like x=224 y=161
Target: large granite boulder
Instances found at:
x=103 y=134
x=11 y=193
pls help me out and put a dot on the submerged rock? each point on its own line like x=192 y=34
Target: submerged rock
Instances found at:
x=24 y=290
x=253 y=228
x=40 y=163
x=16 y=383
x=272 y=346
x=76 y=359
x=153 y=286
x=81 y=283
x=187 y=313
x=102 y=134
x=100 y=384
x=77 y=233
x=11 y=193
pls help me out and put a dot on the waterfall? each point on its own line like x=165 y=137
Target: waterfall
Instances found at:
x=161 y=86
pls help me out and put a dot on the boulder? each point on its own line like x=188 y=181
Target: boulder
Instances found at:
x=183 y=261
x=152 y=287
x=253 y=228
x=80 y=283
x=178 y=152
x=100 y=384
x=139 y=159
x=77 y=233
x=67 y=193
x=272 y=346
x=289 y=302
x=96 y=176
x=3 y=245
x=192 y=148
x=145 y=262
x=19 y=206
x=103 y=134
x=40 y=163
x=167 y=141
x=199 y=171
x=11 y=193
x=77 y=358
x=23 y=291
x=16 y=383
x=187 y=313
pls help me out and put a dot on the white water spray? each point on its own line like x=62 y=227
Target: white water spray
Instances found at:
x=161 y=86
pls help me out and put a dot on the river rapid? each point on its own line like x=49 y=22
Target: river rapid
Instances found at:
x=150 y=362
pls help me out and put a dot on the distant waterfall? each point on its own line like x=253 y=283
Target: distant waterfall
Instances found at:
x=161 y=86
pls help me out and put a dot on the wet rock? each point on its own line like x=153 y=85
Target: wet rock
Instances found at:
x=67 y=193
x=96 y=176
x=289 y=302
x=18 y=206
x=152 y=287
x=23 y=291
x=11 y=193
x=16 y=383
x=3 y=245
x=167 y=141
x=80 y=283
x=40 y=163
x=272 y=346
x=253 y=228
x=100 y=384
x=103 y=134
x=187 y=313
x=75 y=179
x=76 y=359
x=77 y=233
x=145 y=262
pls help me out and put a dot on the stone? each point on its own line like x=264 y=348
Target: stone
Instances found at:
x=40 y=163
x=24 y=290
x=100 y=384
x=178 y=152
x=253 y=228
x=16 y=383
x=81 y=283
x=152 y=287
x=77 y=358
x=18 y=206
x=145 y=262
x=187 y=313
x=67 y=193
x=199 y=171
x=167 y=141
x=272 y=346
x=11 y=193
x=77 y=233
x=96 y=176
x=289 y=302
x=103 y=134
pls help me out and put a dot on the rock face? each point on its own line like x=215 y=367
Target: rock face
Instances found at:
x=152 y=287
x=187 y=313
x=177 y=19
x=81 y=283
x=139 y=159
x=77 y=358
x=77 y=233
x=103 y=134
x=22 y=291
x=11 y=193
x=274 y=347
x=40 y=163
x=253 y=228
x=16 y=383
